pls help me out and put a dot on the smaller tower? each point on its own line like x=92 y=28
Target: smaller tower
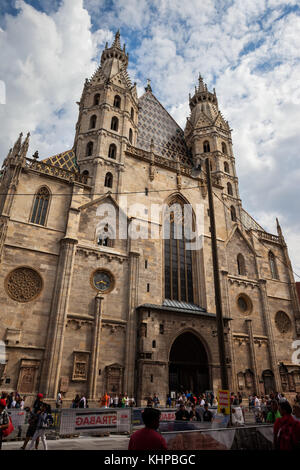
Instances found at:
x=107 y=122
x=208 y=135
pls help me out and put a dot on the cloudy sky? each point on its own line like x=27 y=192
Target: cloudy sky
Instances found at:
x=249 y=50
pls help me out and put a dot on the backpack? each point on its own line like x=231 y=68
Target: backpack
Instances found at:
x=48 y=421
x=286 y=436
x=6 y=432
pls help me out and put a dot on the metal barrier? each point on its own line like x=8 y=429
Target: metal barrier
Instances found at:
x=20 y=419
x=75 y=421
x=240 y=438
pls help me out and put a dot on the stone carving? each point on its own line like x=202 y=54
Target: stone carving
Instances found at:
x=282 y=322
x=80 y=366
x=27 y=375
x=23 y=284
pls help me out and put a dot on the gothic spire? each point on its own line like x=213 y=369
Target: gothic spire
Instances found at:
x=201 y=86
x=25 y=146
x=279 y=231
x=117 y=42
x=17 y=147
x=115 y=51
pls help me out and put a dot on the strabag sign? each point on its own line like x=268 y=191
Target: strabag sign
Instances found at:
x=91 y=421
x=86 y=421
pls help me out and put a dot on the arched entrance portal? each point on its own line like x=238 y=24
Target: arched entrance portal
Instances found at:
x=188 y=369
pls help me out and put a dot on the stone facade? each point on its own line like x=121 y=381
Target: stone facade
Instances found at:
x=64 y=332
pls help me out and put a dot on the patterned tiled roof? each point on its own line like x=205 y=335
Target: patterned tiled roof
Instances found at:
x=66 y=160
x=157 y=124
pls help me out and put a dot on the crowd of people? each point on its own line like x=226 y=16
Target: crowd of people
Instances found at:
x=266 y=407
x=189 y=398
x=106 y=401
x=40 y=418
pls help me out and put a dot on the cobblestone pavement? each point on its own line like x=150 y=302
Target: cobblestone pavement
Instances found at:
x=80 y=443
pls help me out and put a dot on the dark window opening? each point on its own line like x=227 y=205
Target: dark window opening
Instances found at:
x=96 y=99
x=89 y=149
x=93 y=121
x=114 y=124
x=117 y=101
x=112 y=152
x=108 y=180
x=206 y=146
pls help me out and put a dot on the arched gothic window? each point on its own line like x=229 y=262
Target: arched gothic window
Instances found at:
x=226 y=167
x=40 y=206
x=89 y=149
x=177 y=256
x=130 y=136
x=233 y=214
x=114 y=123
x=93 y=121
x=273 y=266
x=229 y=189
x=117 y=101
x=206 y=146
x=132 y=114
x=112 y=152
x=241 y=265
x=224 y=148
x=108 y=180
x=96 y=99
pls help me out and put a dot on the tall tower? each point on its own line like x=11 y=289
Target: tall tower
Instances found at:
x=107 y=122
x=207 y=134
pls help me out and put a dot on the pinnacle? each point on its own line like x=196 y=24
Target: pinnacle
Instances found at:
x=117 y=42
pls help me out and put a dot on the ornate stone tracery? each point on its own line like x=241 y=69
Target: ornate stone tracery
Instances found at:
x=282 y=322
x=23 y=284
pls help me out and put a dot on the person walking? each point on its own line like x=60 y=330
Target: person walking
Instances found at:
x=38 y=402
x=286 y=429
x=32 y=421
x=82 y=402
x=274 y=413
x=59 y=400
x=116 y=401
x=148 y=438
x=155 y=400
x=4 y=419
x=42 y=425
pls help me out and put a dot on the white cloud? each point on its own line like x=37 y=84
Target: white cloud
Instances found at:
x=247 y=49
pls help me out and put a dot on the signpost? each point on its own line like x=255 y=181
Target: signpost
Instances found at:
x=224 y=401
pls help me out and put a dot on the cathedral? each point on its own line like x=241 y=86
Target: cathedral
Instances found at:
x=85 y=310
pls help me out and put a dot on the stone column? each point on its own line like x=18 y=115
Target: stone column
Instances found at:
x=269 y=330
x=252 y=354
x=92 y=391
x=131 y=329
x=98 y=177
x=226 y=306
x=58 y=317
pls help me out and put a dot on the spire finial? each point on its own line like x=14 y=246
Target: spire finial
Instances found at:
x=201 y=86
x=279 y=231
x=117 y=42
x=148 y=87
